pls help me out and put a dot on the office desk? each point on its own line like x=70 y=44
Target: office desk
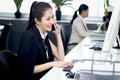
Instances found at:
x=79 y=52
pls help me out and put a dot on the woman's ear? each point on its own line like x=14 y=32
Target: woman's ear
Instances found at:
x=37 y=21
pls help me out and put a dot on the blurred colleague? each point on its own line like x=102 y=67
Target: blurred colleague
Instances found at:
x=106 y=20
x=36 y=50
x=79 y=28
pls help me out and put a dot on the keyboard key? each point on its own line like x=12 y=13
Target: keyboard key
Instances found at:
x=68 y=69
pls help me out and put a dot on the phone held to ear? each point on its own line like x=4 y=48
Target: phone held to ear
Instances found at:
x=53 y=27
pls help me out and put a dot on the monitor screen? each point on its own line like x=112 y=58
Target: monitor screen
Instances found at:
x=112 y=31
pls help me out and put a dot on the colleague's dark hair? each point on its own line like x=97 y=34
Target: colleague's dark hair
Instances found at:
x=82 y=7
x=37 y=10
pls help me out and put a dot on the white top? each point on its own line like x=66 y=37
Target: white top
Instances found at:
x=79 y=30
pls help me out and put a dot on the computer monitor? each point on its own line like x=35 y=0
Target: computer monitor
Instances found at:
x=112 y=31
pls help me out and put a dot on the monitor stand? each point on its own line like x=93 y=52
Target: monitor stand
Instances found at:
x=118 y=43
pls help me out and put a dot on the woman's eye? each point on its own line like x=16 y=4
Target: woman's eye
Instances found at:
x=48 y=19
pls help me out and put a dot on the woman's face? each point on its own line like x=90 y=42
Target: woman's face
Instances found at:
x=46 y=21
x=85 y=13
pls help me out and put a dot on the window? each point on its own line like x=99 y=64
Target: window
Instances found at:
x=96 y=7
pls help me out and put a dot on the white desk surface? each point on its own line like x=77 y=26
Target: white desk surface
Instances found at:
x=79 y=52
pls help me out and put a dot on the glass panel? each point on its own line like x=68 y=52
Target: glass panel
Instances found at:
x=96 y=7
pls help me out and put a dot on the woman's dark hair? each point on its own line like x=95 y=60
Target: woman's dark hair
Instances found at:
x=37 y=10
x=82 y=7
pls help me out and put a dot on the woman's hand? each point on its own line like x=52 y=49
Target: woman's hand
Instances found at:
x=61 y=64
x=101 y=32
x=57 y=28
x=45 y=66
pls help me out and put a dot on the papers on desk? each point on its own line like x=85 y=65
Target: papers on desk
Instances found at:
x=83 y=71
x=89 y=76
x=98 y=69
x=97 y=36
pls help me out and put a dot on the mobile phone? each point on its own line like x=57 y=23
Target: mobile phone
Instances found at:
x=53 y=27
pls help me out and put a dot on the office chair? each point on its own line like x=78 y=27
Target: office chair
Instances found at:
x=52 y=38
x=14 y=34
x=65 y=33
x=3 y=37
x=7 y=65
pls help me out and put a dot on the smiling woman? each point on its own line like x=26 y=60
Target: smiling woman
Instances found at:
x=36 y=50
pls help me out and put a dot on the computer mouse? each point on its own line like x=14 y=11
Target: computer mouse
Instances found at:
x=70 y=75
x=97 y=48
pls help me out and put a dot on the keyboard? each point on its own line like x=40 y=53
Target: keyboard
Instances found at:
x=97 y=44
x=69 y=68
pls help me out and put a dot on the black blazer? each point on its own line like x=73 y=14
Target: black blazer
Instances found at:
x=32 y=52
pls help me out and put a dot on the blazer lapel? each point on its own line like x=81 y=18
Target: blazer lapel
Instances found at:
x=84 y=24
x=37 y=33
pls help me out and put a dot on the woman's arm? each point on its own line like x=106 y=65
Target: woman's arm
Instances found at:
x=79 y=27
x=45 y=66
x=58 y=51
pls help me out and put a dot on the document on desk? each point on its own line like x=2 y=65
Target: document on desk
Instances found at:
x=97 y=36
x=89 y=76
x=99 y=69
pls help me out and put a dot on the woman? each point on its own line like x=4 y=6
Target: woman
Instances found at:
x=36 y=50
x=79 y=28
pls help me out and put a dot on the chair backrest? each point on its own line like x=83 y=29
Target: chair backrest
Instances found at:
x=7 y=65
x=3 y=36
x=14 y=34
x=66 y=32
